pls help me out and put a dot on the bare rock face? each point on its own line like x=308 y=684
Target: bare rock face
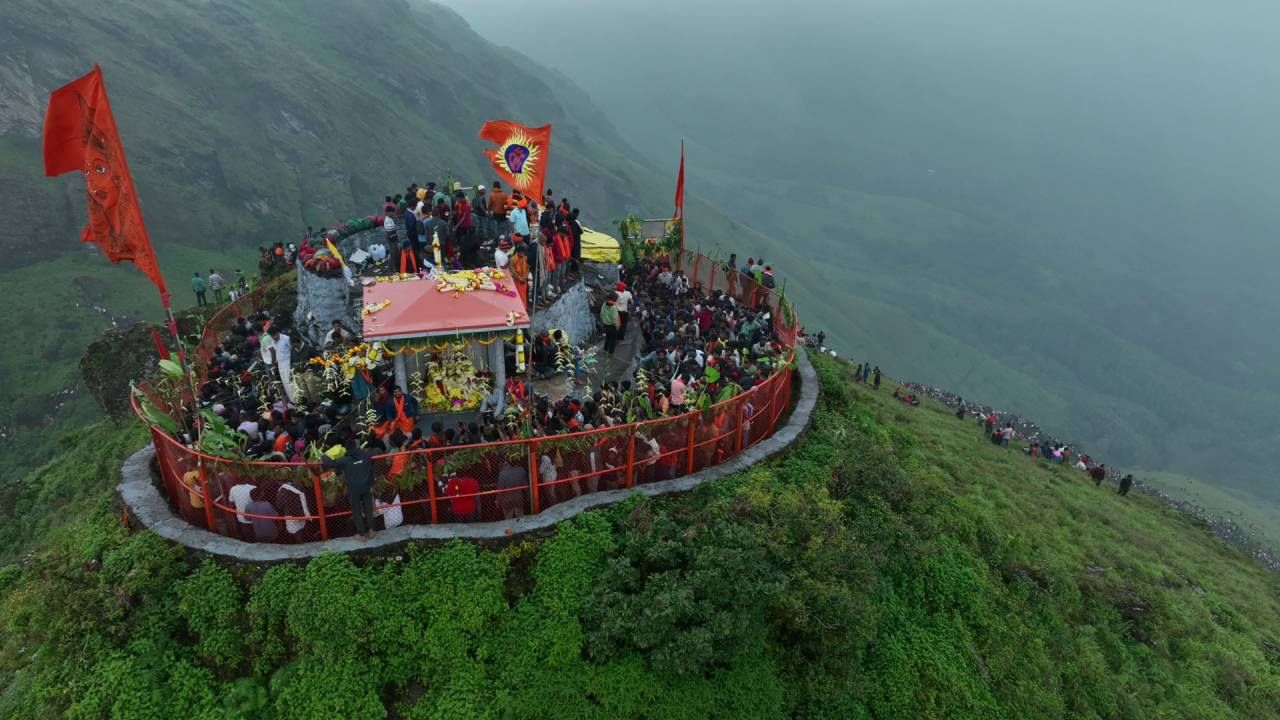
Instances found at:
x=571 y=313
x=321 y=300
x=121 y=356
x=23 y=107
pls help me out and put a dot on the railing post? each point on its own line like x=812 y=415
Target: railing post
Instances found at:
x=631 y=457
x=776 y=404
x=692 y=426
x=319 y=493
x=742 y=417
x=208 y=498
x=535 y=504
x=431 y=489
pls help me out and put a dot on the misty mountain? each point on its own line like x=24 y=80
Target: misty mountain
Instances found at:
x=1066 y=210
x=244 y=123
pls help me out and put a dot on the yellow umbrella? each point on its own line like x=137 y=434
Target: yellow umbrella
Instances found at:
x=598 y=247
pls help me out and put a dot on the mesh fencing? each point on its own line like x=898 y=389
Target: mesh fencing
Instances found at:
x=221 y=322
x=297 y=502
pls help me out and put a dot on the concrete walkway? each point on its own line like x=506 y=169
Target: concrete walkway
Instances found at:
x=616 y=368
x=140 y=495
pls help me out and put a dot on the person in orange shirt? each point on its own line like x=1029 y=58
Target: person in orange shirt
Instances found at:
x=498 y=202
x=520 y=273
x=398 y=413
x=282 y=442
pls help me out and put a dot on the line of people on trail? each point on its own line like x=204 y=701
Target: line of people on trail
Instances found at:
x=1003 y=428
x=222 y=290
x=864 y=373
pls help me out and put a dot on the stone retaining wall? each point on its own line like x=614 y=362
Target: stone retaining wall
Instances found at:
x=139 y=493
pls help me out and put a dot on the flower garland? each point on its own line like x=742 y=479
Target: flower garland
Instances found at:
x=356 y=357
x=395 y=277
x=471 y=280
x=403 y=346
x=372 y=308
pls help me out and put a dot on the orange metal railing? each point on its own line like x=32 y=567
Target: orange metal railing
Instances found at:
x=477 y=483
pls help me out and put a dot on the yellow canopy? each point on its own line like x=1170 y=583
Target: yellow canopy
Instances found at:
x=598 y=247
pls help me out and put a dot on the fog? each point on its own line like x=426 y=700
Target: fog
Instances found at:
x=1084 y=192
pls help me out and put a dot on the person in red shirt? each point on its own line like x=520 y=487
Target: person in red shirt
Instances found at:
x=464 y=231
x=464 y=503
x=704 y=318
x=437 y=435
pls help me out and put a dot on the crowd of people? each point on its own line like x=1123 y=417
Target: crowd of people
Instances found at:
x=1004 y=427
x=279 y=399
x=223 y=291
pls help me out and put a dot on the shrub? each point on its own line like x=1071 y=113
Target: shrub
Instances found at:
x=210 y=602
x=687 y=596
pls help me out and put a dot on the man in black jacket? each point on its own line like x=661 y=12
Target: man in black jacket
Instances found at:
x=357 y=470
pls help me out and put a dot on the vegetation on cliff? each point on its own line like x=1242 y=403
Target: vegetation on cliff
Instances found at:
x=892 y=565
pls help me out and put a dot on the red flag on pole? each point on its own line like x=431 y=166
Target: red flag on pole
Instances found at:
x=521 y=156
x=680 y=187
x=80 y=135
x=679 y=213
x=160 y=348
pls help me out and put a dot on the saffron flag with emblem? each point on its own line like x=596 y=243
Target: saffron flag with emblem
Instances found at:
x=80 y=135
x=521 y=155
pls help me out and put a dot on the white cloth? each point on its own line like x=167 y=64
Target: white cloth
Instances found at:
x=286 y=380
x=284 y=350
x=330 y=339
x=389 y=224
x=392 y=515
x=250 y=428
x=284 y=359
x=264 y=348
x=624 y=301
x=296 y=526
x=241 y=495
x=500 y=259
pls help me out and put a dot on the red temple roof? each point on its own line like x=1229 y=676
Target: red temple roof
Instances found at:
x=418 y=309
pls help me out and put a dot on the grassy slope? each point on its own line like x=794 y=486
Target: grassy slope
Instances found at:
x=51 y=309
x=1245 y=509
x=892 y=565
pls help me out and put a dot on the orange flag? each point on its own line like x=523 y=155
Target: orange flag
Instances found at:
x=680 y=187
x=80 y=135
x=679 y=214
x=521 y=156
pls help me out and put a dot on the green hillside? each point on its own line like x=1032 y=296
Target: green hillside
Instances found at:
x=891 y=565
x=245 y=122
